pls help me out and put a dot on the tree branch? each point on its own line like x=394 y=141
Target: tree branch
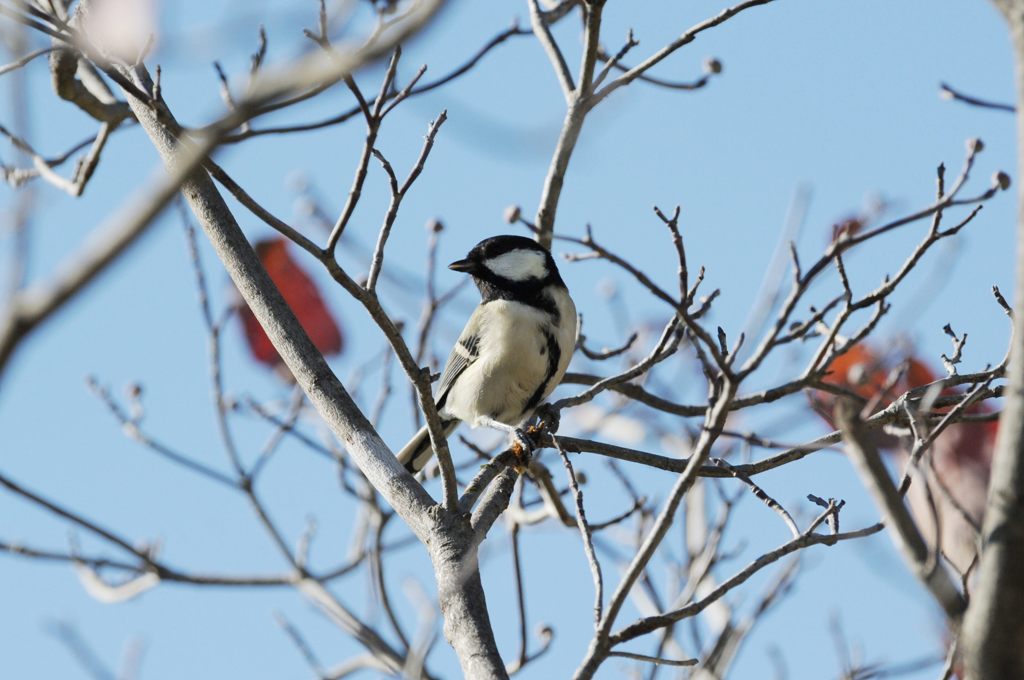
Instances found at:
x=304 y=361
x=993 y=630
x=905 y=533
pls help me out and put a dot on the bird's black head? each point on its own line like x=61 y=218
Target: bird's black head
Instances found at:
x=510 y=268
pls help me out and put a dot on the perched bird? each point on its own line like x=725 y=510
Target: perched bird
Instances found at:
x=514 y=349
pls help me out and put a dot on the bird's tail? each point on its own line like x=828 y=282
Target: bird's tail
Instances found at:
x=417 y=453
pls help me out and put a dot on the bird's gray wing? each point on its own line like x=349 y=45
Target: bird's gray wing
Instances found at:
x=463 y=354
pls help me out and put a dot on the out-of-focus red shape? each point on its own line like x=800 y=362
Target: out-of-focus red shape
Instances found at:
x=848 y=226
x=302 y=296
x=867 y=374
x=961 y=455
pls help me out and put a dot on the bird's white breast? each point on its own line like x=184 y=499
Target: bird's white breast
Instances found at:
x=513 y=361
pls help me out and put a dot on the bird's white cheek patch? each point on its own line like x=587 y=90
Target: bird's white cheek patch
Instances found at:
x=518 y=265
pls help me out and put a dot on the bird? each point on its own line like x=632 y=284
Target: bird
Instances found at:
x=514 y=349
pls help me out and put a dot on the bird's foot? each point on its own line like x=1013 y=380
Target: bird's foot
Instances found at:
x=522 y=448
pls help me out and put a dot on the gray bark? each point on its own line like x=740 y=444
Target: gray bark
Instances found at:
x=467 y=625
x=448 y=537
x=993 y=631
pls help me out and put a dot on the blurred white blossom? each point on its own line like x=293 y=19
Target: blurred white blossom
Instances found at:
x=121 y=28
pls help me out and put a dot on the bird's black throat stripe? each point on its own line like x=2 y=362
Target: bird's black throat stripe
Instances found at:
x=525 y=293
x=554 y=356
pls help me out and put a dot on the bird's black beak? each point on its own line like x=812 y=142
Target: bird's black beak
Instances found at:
x=466 y=265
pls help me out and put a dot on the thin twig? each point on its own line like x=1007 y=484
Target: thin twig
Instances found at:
x=555 y=56
x=656 y=660
x=588 y=538
x=947 y=92
x=761 y=495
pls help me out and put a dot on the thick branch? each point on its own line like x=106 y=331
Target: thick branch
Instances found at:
x=461 y=595
x=904 y=530
x=993 y=632
x=35 y=305
x=311 y=372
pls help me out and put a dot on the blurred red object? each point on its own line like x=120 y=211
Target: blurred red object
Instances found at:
x=870 y=375
x=302 y=296
x=847 y=227
x=961 y=456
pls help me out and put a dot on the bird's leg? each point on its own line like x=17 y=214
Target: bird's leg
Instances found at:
x=522 y=445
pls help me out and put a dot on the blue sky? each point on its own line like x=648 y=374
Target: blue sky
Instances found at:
x=838 y=97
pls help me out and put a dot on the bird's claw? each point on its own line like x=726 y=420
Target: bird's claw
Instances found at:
x=522 y=449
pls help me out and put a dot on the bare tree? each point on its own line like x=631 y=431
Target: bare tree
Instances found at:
x=818 y=313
